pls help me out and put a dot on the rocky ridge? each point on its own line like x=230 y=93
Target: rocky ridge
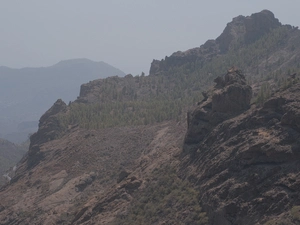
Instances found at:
x=247 y=29
x=241 y=32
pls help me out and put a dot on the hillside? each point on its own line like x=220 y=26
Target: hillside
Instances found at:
x=245 y=160
x=25 y=94
x=198 y=141
x=10 y=155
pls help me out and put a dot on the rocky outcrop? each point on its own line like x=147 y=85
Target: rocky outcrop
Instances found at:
x=131 y=184
x=247 y=167
x=84 y=181
x=242 y=30
x=50 y=128
x=49 y=125
x=247 y=29
x=108 y=90
x=231 y=96
x=122 y=175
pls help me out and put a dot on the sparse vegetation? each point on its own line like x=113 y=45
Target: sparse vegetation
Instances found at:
x=165 y=198
x=264 y=93
x=278 y=222
x=10 y=154
x=295 y=213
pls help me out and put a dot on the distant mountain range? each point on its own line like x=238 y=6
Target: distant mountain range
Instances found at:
x=28 y=92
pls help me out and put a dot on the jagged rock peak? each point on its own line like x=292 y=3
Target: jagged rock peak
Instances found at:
x=57 y=107
x=49 y=125
x=242 y=30
x=233 y=75
x=247 y=29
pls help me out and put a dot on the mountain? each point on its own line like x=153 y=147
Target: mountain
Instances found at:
x=259 y=44
x=28 y=92
x=198 y=141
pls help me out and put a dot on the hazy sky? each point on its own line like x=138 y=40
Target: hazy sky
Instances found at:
x=127 y=34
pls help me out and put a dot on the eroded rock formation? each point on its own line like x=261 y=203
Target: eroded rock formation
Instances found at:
x=231 y=96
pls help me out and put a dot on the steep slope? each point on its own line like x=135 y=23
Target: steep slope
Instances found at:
x=246 y=166
x=25 y=94
x=10 y=154
x=80 y=178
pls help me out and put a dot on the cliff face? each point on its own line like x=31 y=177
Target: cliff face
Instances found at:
x=247 y=166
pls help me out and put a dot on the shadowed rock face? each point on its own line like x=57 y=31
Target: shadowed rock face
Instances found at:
x=231 y=96
x=247 y=167
x=49 y=129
